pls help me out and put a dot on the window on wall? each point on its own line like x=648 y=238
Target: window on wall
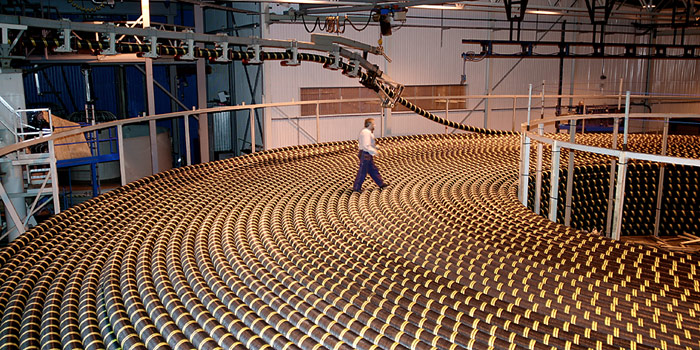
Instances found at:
x=409 y=92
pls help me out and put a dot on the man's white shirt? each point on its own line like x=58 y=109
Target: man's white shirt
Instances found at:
x=366 y=141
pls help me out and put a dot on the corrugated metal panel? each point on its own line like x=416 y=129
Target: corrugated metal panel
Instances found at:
x=433 y=56
x=105 y=89
x=160 y=75
x=222 y=131
x=61 y=88
x=135 y=92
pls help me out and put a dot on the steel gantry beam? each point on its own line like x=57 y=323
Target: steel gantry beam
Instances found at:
x=599 y=16
x=510 y=5
x=589 y=50
x=151 y=37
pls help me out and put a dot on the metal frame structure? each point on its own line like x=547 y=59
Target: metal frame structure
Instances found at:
x=21 y=159
x=623 y=156
x=596 y=50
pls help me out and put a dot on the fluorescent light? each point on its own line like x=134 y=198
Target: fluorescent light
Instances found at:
x=439 y=7
x=649 y=6
x=543 y=12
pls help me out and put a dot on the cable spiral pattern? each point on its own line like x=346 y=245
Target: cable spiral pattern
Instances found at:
x=274 y=251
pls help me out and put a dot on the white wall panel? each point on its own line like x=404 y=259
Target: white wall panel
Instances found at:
x=431 y=56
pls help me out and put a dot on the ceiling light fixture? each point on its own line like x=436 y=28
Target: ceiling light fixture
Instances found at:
x=543 y=12
x=439 y=7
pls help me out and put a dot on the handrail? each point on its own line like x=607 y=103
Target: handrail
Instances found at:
x=623 y=156
x=614 y=152
x=610 y=115
x=17 y=146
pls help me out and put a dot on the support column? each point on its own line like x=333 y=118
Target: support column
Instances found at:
x=150 y=95
x=201 y=90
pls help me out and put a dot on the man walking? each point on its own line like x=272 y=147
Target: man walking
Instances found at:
x=368 y=150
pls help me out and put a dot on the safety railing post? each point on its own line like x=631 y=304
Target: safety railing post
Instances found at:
x=447 y=114
x=662 y=174
x=318 y=124
x=188 y=146
x=570 y=174
x=611 y=182
x=513 y=117
x=252 y=130
x=525 y=153
x=619 y=196
x=152 y=133
x=54 y=177
x=627 y=121
x=120 y=150
x=538 y=173
x=554 y=182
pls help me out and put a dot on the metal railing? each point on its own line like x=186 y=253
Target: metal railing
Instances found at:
x=21 y=131
x=185 y=115
x=616 y=195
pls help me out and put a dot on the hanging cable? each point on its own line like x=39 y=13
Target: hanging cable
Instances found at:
x=85 y=9
x=369 y=19
x=316 y=23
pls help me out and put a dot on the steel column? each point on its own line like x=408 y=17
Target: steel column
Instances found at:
x=202 y=90
x=554 y=182
x=150 y=95
x=662 y=174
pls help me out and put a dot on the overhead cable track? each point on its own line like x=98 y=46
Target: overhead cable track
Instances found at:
x=371 y=77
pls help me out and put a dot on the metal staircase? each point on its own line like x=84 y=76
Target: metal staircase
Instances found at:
x=36 y=166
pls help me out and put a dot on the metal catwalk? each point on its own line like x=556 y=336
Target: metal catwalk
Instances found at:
x=273 y=250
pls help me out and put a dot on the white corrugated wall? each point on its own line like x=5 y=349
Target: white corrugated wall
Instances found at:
x=432 y=56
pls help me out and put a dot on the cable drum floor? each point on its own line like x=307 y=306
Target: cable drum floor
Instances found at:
x=274 y=251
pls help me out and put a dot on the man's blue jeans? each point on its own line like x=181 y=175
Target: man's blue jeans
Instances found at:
x=367 y=166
